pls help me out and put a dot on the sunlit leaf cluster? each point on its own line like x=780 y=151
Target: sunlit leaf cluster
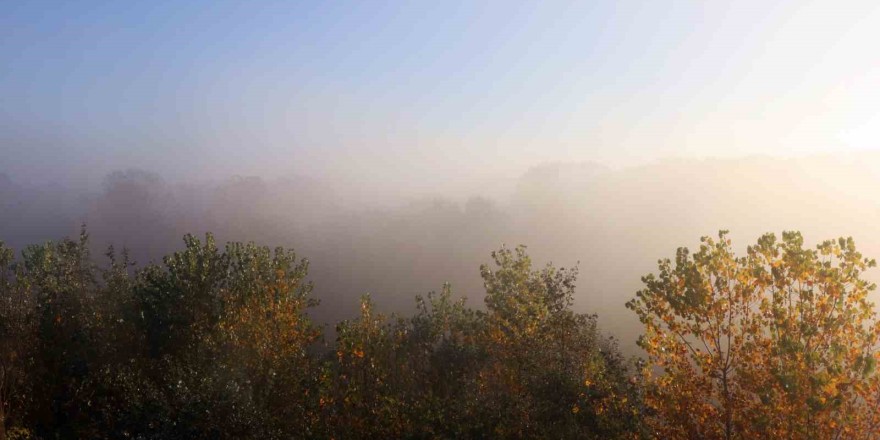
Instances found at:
x=780 y=342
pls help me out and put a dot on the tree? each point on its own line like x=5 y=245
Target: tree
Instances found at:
x=217 y=343
x=527 y=367
x=779 y=343
x=227 y=340
x=550 y=372
x=266 y=336
x=63 y=281
x=17 y=340
x=57 y=334
x=407 y=377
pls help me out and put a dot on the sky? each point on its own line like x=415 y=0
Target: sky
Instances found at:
x=421 y=92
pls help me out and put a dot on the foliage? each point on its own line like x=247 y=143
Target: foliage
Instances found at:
x=226 y=341
x=527 y=367
x=550 y=374
x=18 y=331
x=217 y=343
x=779 y=343
x=411 y=378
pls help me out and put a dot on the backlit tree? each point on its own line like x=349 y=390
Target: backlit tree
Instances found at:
x=778 y=343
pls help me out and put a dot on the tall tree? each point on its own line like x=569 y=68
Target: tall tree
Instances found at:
x=550 y=372
x=778 y=343
x=227 y=343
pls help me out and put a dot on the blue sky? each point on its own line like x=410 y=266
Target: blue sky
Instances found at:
x=362 y=88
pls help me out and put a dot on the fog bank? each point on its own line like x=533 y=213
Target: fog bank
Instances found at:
x=614 y=223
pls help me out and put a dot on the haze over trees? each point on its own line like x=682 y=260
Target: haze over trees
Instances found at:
x=218 y=343
x=615 y=222
x=154 y=339
x=478 y=193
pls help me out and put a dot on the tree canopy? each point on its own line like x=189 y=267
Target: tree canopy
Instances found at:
x=217 y=342
x=778 y=343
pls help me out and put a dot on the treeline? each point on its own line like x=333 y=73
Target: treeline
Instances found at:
x=217 y=343
x=360 y=239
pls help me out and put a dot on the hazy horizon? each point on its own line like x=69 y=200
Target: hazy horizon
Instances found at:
x=397 y=144
x=614 y=223
x=399 y=94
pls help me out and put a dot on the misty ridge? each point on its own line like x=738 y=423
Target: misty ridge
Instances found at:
x=612 y=223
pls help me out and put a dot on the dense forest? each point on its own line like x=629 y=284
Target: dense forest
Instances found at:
x=218 y=342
